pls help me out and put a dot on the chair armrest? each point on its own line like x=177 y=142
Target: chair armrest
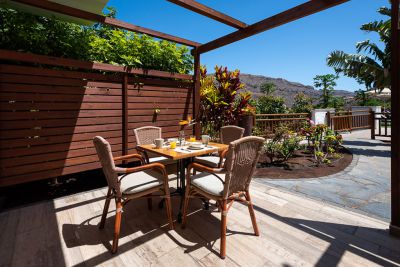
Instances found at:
x=130 y=157
x=222 y=155
x=144 y=153
x=203 y=168
x=152 y=166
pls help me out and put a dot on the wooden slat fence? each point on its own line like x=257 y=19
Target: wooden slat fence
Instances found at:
x=266 y=123
x=49 y=116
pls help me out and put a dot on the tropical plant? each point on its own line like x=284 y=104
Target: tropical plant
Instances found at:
x=221 y=99
x=101 y=43
x=323 y=142
x=371 y=64
x=283 y=145
x=268 y=88
x=269 y=104
x=327 y=84
x=362 y=98
x=302 y=103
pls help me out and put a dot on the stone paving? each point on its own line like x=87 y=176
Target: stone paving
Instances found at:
x=363 y=186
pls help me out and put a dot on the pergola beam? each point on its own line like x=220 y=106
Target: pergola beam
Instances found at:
x=209 y=12
x=395 y=91
x=74 y=12
x=287 y=16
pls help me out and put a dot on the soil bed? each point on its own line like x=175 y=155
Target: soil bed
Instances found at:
x=301 y=166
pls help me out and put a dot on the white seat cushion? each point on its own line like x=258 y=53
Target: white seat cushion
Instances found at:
x=140 y=181
x=163 y=160
x=211 y=161
x=209 y=183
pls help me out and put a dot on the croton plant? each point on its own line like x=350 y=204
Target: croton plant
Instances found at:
x=223 y=99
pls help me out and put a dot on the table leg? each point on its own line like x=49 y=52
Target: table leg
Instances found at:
x=182 y=163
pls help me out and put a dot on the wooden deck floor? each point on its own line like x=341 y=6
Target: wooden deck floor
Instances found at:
x=295 y=231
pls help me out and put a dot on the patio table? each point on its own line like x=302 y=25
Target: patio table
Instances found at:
x=183 y=156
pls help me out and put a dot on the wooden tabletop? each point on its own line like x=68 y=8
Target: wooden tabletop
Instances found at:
x=175 y=155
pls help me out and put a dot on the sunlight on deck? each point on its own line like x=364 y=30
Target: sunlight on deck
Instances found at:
x=294 y=231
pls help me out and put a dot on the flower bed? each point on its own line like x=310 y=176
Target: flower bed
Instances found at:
x=314 y=151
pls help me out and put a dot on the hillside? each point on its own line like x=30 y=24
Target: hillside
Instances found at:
x=285 y=88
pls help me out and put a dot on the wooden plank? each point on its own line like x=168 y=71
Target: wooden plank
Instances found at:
x=73 y=139
x=284 y=17
x=41 y=71
x=145 y=91
x=52 y=123
x=13 y=134
x=80 y=64
x=101 y=115
x=78 y=13
x=209 y=12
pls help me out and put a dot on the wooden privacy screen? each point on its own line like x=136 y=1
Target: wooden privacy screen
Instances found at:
x=49 y=117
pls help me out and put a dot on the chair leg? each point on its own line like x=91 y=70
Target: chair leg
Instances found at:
x=168 y=207
x=224 y=212
x=252 y=214
x=185 y=206
x=117 y=226
x=105 y=210
x=149 y=203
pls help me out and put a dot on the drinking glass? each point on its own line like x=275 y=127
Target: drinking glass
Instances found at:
x=205 y=139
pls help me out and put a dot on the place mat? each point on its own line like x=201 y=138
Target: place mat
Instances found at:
x=185 y=149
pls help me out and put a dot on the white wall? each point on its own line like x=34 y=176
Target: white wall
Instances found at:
x=319 y=115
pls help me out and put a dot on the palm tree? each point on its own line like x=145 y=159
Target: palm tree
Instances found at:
x=374 y=69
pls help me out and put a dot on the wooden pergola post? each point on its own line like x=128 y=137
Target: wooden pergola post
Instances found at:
x=395 y=91
x=196 y=93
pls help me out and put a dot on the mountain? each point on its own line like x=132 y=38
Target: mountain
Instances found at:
x=284 y=88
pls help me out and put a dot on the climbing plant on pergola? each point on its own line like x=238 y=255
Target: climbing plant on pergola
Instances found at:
x=243 y=31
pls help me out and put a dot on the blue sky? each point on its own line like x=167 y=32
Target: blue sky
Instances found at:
x=295 y=51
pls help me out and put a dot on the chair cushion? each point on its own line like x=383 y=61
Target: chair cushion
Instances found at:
x=163 y=160
x=211 y=161
x=209 y=183
x=140 y=181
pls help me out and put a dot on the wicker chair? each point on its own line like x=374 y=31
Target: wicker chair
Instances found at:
x=134 y=182
x=227 y=184
x=146 y=135
x=228 y=134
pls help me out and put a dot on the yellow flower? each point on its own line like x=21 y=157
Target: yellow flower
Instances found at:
x=183 y=122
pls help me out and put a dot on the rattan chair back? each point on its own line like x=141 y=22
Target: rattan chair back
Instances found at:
x=230 y=133
x=241 y=162
x=147 y=134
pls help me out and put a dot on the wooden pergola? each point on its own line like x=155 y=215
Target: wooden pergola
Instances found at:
x=243 y=31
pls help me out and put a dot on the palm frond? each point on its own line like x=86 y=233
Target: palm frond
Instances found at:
x=371 y=48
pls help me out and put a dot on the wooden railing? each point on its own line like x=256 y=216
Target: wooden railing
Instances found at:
x=266 y=123
x=350 y=120
x=384 y=120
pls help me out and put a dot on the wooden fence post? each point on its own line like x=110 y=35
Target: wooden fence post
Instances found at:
x=196 y=94
x=372 y=123
x=125 y=115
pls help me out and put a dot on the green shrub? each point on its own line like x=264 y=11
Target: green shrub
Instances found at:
x=269 y=104
x=302 y=103
x=25 y=32
x=283 y=145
